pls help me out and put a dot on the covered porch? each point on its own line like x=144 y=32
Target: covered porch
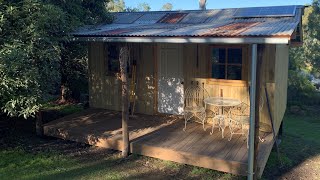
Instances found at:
x=161 y=136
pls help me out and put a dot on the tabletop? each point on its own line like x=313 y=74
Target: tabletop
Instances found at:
x=222 y=101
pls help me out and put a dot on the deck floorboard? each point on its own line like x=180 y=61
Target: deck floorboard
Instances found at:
x=160 y=136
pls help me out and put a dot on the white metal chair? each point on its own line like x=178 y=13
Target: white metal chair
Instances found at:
x=219 y=119
x=239 y=119
x=194 y=105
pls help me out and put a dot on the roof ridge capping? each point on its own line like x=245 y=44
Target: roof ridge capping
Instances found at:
x=207 y=10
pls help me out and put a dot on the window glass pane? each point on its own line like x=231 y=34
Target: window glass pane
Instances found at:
x=218 y=55
x=113 y=59
x=218 y=71
x=234 y=56
x=234 y=72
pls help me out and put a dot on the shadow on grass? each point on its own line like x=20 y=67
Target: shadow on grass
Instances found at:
x=301 y=141
x=110 y=168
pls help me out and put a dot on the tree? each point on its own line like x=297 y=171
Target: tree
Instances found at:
x=305 y=59
x=34 y=46
x=167 y=7
x=144 y=7
x=202 y=4
x=116 y=6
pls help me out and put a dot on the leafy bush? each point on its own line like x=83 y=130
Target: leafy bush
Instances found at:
x=35 y=52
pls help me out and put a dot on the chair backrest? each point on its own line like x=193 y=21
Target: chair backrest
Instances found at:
x=194 y=95
x=242 y=109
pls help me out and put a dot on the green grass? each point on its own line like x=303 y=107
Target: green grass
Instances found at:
x=63 y=109
x=301 y=141
x=18 y=164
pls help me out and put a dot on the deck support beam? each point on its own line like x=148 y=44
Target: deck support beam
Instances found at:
x=252 y=112
x=123 y=58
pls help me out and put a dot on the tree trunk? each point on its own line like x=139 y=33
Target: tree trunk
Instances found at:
x=39 y=124
x=202 y=4
x=123 y=58
x=257 y=111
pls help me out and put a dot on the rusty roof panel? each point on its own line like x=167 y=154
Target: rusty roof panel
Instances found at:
x=172 y=18
x=232 y=29
x=150 y=18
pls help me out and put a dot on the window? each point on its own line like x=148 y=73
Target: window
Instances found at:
x=113 y=64
x=227 y=63
x=113 y=59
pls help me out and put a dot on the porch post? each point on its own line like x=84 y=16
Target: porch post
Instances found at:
x=252 y=112
x=123 y=58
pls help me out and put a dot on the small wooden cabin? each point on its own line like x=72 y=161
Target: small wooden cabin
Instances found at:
x=215 y=48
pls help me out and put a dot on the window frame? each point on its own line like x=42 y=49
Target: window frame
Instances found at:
x=243 y=62
x=131 y=61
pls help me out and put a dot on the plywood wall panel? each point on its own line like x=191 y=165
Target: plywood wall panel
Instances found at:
x=281 y=83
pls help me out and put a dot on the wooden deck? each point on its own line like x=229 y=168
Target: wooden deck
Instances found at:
x=161 y=137
x=103 y=128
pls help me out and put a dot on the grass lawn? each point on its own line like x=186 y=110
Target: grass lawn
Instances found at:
x=25 y=156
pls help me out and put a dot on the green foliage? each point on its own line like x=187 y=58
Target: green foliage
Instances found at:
x=35 y=52
x=144 y=7
x=305 y=59
x=116 y=6
x=167 y=7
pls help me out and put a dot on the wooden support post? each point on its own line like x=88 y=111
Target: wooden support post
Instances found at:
x=257 y=110
x=123 y=58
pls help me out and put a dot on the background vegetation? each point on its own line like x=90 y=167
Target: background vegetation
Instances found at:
x=38 y=61
x=304 y=64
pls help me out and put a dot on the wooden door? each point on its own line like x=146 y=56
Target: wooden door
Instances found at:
x=170 y=79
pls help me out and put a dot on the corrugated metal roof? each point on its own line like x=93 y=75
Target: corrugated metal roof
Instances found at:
x=172 y=18
x=194 y=23
x=150 y=18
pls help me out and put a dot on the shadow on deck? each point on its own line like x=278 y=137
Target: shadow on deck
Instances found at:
x=161 y=136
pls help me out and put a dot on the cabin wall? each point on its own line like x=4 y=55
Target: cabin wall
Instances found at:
x=281 y=83
x=105 y=89
x=146 y=79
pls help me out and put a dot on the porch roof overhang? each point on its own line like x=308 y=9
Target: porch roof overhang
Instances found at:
x=185 y=40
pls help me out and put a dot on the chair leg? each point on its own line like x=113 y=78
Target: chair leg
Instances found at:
x=212 y=129
x=185 y=125
x=186 y=119
x=203 y=116
x=231 y=132
x=222 y=132
x=213 y=124
x=222 y=125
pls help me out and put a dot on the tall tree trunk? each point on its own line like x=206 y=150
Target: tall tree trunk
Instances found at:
x=257 y=110
x=123 y=58
x=63 y=82
x=202 y=4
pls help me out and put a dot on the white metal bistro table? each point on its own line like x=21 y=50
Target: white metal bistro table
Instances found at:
x=220 y=103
